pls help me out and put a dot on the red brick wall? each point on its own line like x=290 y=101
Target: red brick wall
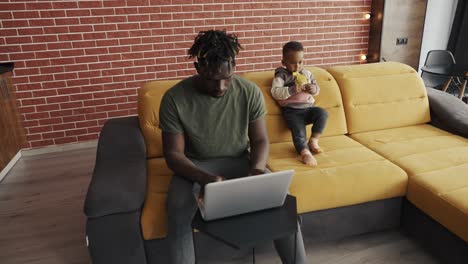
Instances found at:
x=79 y=63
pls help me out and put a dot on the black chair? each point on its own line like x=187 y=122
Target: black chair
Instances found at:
x=439 y=57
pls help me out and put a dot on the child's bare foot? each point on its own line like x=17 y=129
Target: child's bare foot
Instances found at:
x=314 y=146
x=307 y=158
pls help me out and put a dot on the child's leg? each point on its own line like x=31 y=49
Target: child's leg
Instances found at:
x=318 y=117
x=295 y=121
x=314 y=145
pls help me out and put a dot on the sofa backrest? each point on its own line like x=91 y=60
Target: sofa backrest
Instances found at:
x=150 y=95
x=149 y=100
x=328 y=98
x=381 y=95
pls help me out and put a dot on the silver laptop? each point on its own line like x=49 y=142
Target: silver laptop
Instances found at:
x=244 y=195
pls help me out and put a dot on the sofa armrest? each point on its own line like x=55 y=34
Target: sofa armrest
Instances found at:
x=118 y=183
x=116 y=239
x=448 y=112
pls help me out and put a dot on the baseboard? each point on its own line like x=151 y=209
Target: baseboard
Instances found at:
x=10 y=165
x=59 y=148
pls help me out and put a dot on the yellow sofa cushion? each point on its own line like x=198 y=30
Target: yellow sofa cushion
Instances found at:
x=348 y=173
x=329 y=99
x=149 y=101
x=417 y=149
x=437 y=164
x=154 y=216
x=381 y=95
x=443 y=195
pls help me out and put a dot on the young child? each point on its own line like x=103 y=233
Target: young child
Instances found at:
x=294 y=89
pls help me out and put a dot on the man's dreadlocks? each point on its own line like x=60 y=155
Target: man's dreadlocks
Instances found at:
x=213 y=47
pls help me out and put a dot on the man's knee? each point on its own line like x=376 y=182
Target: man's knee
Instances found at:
x=180 y=196
x=177 y=203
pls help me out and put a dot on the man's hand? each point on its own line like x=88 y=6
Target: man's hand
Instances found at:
x=212 y=178
x=215 y=178
x=256 y=172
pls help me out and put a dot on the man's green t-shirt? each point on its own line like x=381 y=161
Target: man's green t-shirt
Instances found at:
x=213 y=127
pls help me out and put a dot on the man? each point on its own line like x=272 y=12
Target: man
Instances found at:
x=213 y=129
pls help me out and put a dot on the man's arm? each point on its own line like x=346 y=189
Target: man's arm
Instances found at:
x=259 y=146
x=173 y=148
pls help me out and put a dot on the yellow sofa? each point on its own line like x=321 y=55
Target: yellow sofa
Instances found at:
x=379 y=147
x=387 y=111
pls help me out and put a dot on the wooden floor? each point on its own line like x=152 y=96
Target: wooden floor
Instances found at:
x=42 y=220
x=41 y=209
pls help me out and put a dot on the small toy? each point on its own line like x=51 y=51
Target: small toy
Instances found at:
x=300 y=79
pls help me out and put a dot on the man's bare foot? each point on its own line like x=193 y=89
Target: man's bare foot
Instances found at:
x=314 y=146
x=307 y=158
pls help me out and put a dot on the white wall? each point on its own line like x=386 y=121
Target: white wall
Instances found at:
x=437 y=27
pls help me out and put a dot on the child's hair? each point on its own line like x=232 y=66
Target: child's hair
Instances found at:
x=213 y=47
x=292 y=46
